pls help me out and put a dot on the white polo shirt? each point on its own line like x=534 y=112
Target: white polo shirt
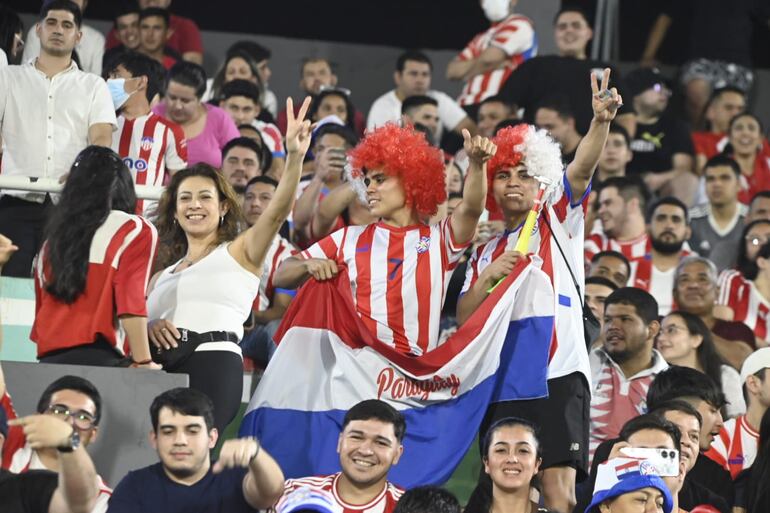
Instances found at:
x=388 y=108
x=44 y=123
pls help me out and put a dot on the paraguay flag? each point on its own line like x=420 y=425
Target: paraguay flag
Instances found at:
x=327 y=361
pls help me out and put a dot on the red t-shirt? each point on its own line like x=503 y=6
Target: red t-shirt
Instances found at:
x=119 y=265
x=185 y=38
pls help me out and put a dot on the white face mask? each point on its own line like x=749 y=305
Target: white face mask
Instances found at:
x=496 y=10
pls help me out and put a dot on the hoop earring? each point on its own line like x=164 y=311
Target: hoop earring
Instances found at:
x=221 y=220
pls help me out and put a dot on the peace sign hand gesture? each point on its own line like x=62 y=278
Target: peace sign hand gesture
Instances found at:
x=298 y=129
x=605 y=102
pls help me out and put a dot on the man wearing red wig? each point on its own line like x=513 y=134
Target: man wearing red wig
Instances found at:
x=399 y=267
x=558 y=240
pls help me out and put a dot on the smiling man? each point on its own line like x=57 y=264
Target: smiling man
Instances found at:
x=369 y=445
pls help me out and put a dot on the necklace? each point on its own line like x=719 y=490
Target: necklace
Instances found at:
x=190 y=261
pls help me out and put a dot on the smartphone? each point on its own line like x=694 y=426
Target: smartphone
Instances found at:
x=665 y=461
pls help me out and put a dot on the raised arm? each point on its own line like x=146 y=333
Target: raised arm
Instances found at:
x=605 y=104
x=331 y=207
x=77 y=490
x=263 y=484
x=466 y=216
x=250 y=247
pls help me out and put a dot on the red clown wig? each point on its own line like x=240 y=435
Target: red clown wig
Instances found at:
x=510 y=145
x=405 y=153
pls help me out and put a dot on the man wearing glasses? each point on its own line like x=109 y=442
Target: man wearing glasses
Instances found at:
x=72 y=399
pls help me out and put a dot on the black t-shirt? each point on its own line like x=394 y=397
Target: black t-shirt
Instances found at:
x=29 y=492
x=149 y=490
x=539 y=78
x=719 y=30
x=655 y=145
x=712 y=476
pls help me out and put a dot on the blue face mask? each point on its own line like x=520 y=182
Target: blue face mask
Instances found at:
x=117 y=87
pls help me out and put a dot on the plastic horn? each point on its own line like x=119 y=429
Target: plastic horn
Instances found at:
x=522 y=243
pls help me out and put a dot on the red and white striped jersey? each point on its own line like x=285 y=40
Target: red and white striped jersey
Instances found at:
x=568 y=349
x=150 y=145
x=119 y=265
x=272 y=137
x=736 y=446
x=280 y=249
x=398 y=278
x=385 y=502
x=515 y=36
x=615 y=398
x=633 y=249
x=748 y=305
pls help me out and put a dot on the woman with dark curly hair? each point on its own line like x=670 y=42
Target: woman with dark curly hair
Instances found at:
x=399 y=267
x=92 y=271
x=199 y=302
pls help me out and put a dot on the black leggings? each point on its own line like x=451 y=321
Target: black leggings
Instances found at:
x=219 y=375
x=99 y=353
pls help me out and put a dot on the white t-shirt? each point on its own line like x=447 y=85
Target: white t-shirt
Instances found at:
x=662 y=289
x=388 y=108
x=90 y=49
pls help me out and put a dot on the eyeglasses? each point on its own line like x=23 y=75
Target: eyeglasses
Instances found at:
x=82 y=419
x=672 y=329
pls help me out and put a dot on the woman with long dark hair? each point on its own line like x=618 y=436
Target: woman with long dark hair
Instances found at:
x=745 y=136
x=199 y=302
x=511 y=456
x=11 y=36
x=92 y=271
x=685 y=340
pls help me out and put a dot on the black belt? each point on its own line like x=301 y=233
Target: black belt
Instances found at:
x=209 y=336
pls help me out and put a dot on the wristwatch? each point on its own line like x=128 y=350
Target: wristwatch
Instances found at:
x=72 y=444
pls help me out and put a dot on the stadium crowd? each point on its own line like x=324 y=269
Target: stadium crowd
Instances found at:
x=652 y=226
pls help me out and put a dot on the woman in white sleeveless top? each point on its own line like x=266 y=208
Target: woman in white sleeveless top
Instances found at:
x=211 y=277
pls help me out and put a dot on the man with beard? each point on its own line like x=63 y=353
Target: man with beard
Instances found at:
x=625 y=364
x=244 y=478
x=369 y=445
x=49 y=111
x=620 y=209
x=668 y=229
x=695 y=291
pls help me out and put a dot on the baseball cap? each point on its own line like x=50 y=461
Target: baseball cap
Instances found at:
x=620 y=476
x=305 y=499
x=758 y=360
x=641 y=79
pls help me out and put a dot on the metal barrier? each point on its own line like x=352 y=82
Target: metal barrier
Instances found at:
x=52 y=185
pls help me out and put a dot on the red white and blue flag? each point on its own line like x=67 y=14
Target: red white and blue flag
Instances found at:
x=327 y=362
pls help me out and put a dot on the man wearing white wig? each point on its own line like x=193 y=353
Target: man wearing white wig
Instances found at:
x=525 y=173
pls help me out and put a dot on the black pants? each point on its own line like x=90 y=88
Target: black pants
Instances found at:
x=100 y=354
x=23 y=222
x=219 y=375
